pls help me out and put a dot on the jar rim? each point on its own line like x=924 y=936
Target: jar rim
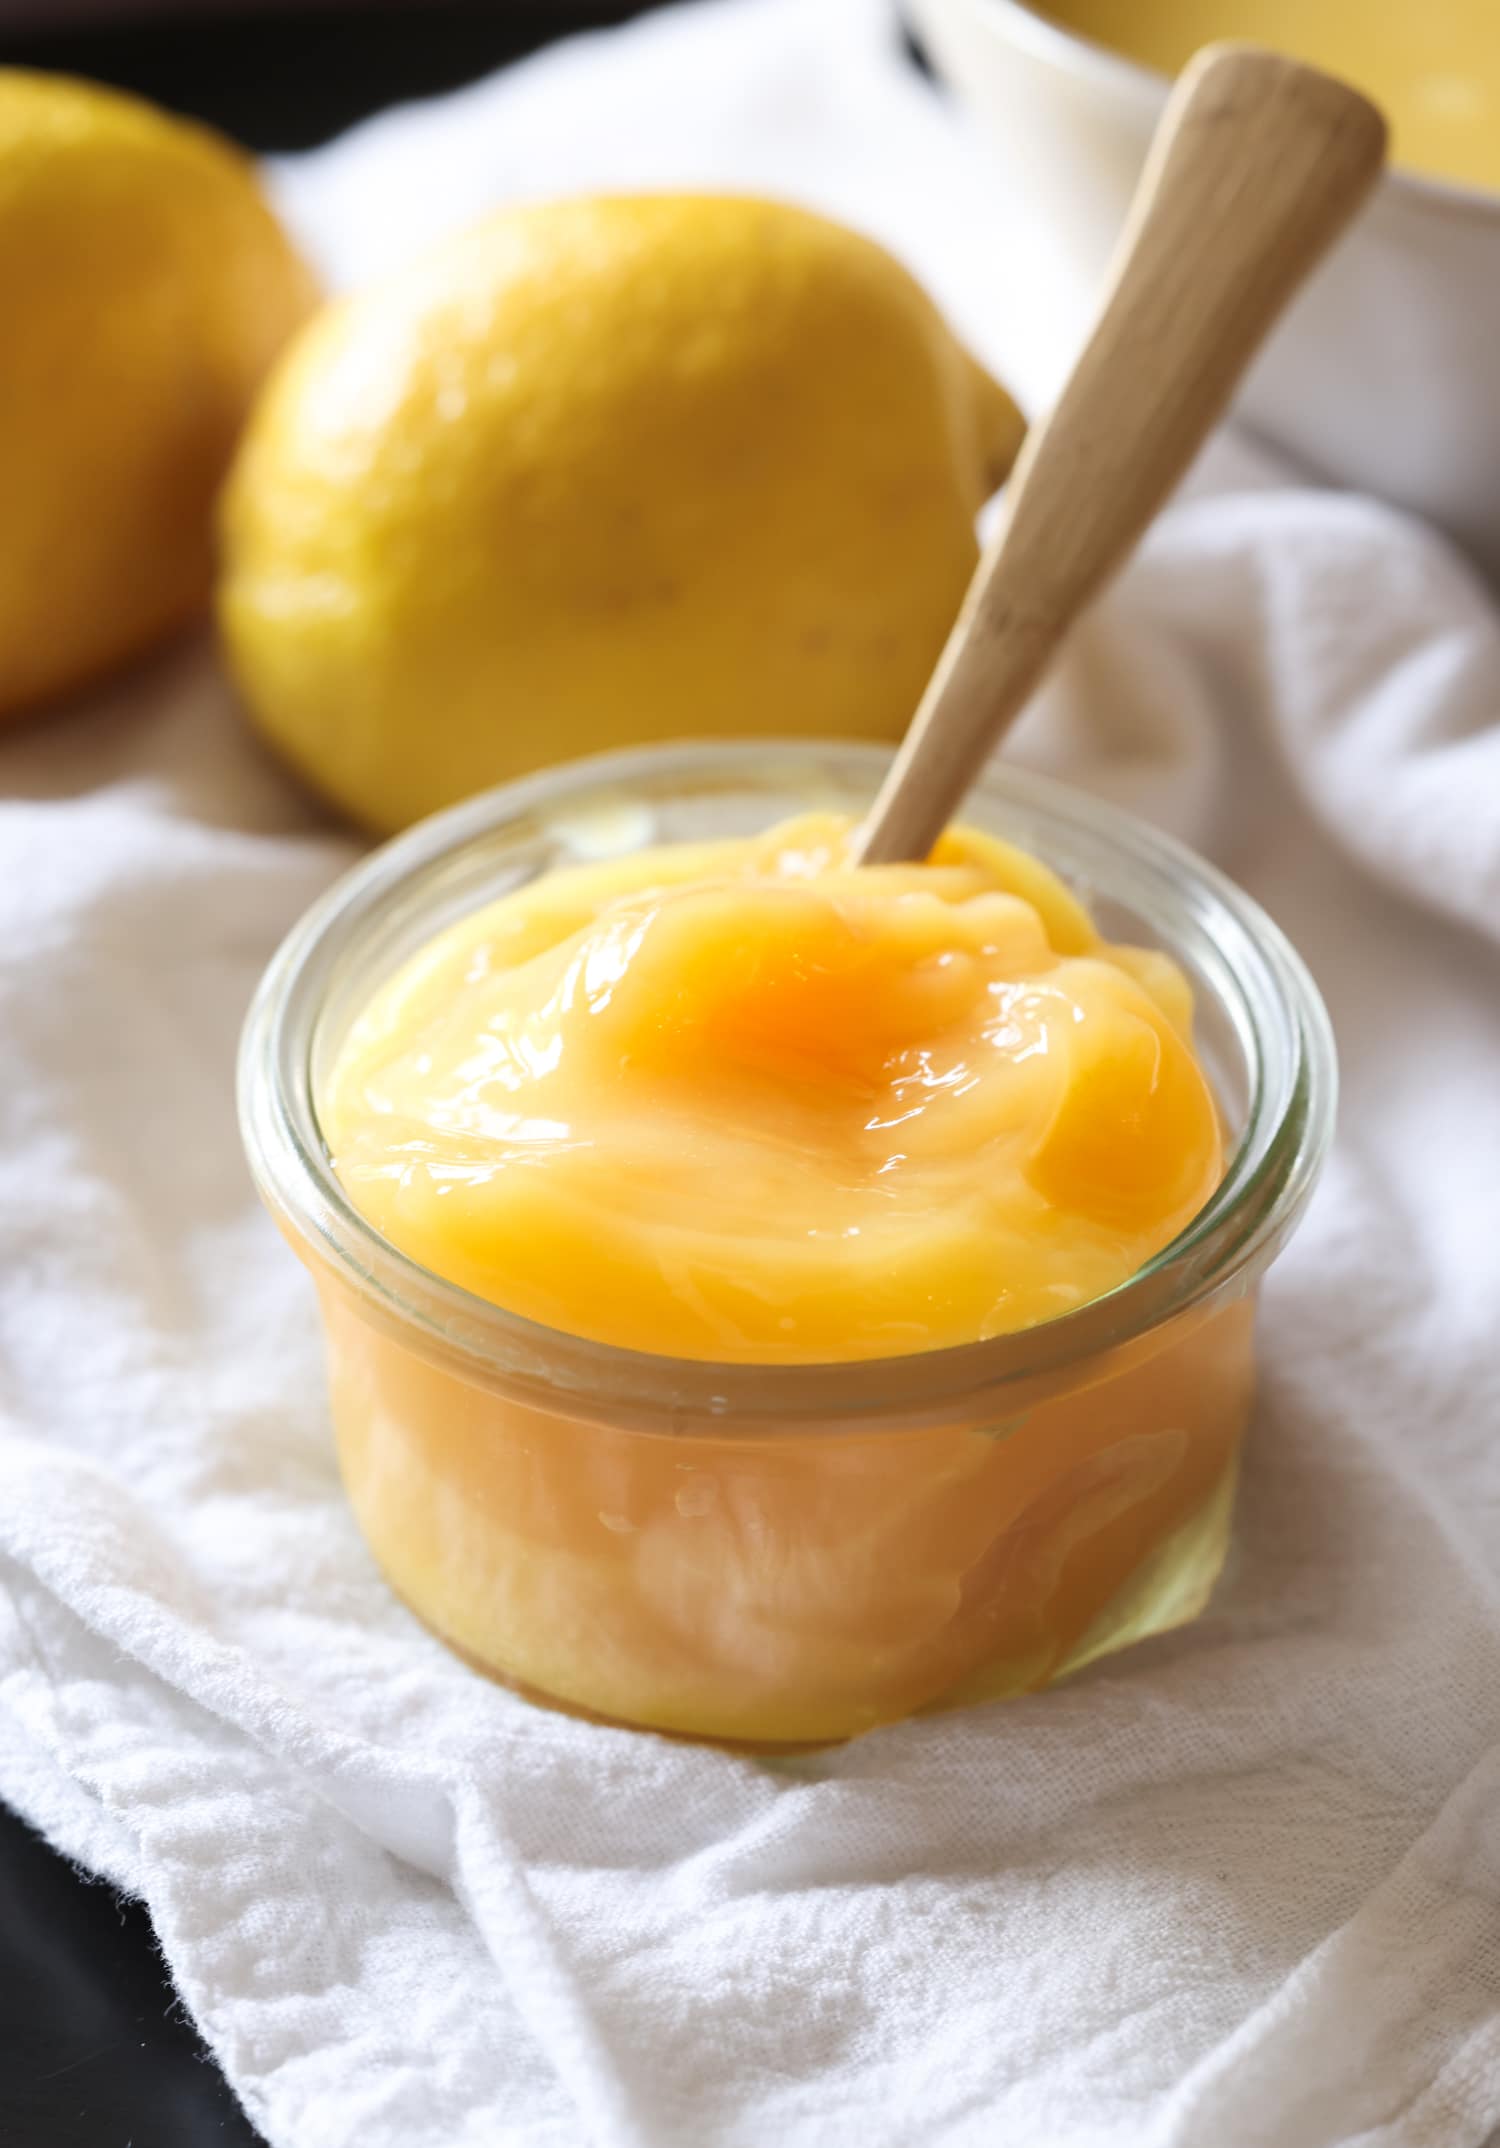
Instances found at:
x=1263 y=984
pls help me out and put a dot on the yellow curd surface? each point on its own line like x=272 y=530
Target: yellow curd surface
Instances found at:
x=1432 y=65
x=738 y=1101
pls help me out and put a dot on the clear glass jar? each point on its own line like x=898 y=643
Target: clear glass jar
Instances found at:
x=788 y=1555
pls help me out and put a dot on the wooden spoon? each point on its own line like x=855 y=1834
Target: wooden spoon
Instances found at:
x=1256 y=167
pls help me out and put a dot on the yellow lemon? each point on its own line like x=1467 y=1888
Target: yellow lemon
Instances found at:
x=601 y=471
x=145 y=287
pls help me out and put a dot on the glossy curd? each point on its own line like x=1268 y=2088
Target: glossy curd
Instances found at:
x=739 y=1101
x=1432 y=65
x=736 y=1102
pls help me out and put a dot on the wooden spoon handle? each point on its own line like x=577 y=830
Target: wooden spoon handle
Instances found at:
x=1256 y=167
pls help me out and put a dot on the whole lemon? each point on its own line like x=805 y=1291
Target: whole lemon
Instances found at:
x=145 y=288
x=601 y=471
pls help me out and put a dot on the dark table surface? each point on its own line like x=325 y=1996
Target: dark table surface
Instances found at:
x=286 y=77
x=96 y=2050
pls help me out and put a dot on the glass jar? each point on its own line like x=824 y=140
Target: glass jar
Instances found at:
x=785 y=1555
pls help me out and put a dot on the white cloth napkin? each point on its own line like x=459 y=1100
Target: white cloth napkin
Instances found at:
x=1239 y=1888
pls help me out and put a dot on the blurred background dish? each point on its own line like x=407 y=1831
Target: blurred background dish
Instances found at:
x=1383 y=375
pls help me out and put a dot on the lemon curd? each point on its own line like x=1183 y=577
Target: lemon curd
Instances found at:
x=738 y=1102
x=1432 y=65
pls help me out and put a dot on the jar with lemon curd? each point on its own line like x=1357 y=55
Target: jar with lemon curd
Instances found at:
x=759 y=1548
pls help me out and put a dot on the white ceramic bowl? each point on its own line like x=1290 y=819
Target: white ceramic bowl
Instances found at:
x=1385 y=374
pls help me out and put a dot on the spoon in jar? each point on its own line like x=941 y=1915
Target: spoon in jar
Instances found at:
x=1255 y=169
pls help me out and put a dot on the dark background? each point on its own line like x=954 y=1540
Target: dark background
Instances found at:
x=279 y=77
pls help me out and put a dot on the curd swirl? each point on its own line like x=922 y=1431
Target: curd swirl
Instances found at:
x=740 y=1101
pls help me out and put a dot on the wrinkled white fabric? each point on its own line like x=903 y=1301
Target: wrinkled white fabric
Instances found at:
x=1237 y=1889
